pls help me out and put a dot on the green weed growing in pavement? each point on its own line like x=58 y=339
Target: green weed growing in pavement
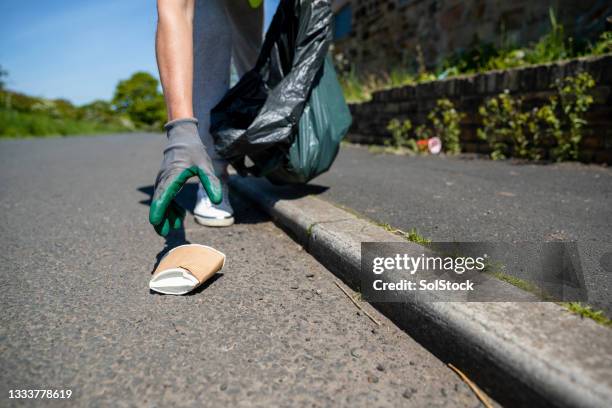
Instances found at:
x=588 y=312
x=412 y=235
x=387 y=227
x=574 y=307
x=309 y=229
x=519 y=283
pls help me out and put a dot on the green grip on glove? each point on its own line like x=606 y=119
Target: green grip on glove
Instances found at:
x=166 y=213
x=184 y=157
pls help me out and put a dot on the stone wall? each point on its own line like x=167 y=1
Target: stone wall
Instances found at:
x=533 y=84
x=386 y=33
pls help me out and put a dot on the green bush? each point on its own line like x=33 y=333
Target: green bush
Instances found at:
x=400 y=135
x=510 y=131
x=604 y=45
x=570 y=104
x=20 y=124
x=505 y=128
x=137 y=104
x=445 y=123
x=139 y=98
x=102 y=112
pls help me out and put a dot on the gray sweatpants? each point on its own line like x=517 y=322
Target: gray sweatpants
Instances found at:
x=223 y=30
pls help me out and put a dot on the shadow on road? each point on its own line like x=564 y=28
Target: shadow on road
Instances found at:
x=243 y=212
x=293 y=192
x=175 y=238
x=187 y=199
x=188 y=195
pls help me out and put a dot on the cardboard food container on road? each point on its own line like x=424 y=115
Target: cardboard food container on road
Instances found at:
x=186 y=267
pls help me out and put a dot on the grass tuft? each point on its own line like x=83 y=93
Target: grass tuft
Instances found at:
x=518 y=282
x=588 y=312
x=574 y=307
x=412 y=235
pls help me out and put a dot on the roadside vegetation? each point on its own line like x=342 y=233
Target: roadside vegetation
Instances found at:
x=440 y=133
x=556 y=45
x=513 y=131
x=137 y=105
x=552 y=130
x=588 y=312
x=412 y=236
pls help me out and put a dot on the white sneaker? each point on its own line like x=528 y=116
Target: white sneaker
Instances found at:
x=213 y=215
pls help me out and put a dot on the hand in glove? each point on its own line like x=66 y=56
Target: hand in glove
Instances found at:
x=184 y=157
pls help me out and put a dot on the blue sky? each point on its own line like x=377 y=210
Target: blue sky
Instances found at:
x=77 y=49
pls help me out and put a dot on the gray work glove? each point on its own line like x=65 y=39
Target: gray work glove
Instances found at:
x=184 y=157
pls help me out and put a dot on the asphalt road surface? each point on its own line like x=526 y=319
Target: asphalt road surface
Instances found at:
x=455 y=199
x=271 y=330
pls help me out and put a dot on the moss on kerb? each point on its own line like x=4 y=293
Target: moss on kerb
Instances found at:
x=309 y=229
x=588 y=312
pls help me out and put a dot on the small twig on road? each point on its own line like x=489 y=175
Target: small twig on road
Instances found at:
x=474 y=387
x=372 y=318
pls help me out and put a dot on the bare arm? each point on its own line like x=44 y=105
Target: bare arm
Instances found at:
x=174 y=50
x=184 y=155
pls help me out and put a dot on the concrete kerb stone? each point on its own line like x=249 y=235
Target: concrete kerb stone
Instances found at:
x=520 y=353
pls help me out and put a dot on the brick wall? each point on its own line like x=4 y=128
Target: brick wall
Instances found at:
x=533 y=84
x=386 y=32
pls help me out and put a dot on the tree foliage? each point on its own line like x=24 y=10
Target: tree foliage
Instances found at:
x=139 y=98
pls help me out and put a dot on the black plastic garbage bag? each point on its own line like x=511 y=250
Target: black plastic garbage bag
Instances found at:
x=288 y=114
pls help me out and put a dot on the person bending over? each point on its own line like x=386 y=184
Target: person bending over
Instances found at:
x=195 y=43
